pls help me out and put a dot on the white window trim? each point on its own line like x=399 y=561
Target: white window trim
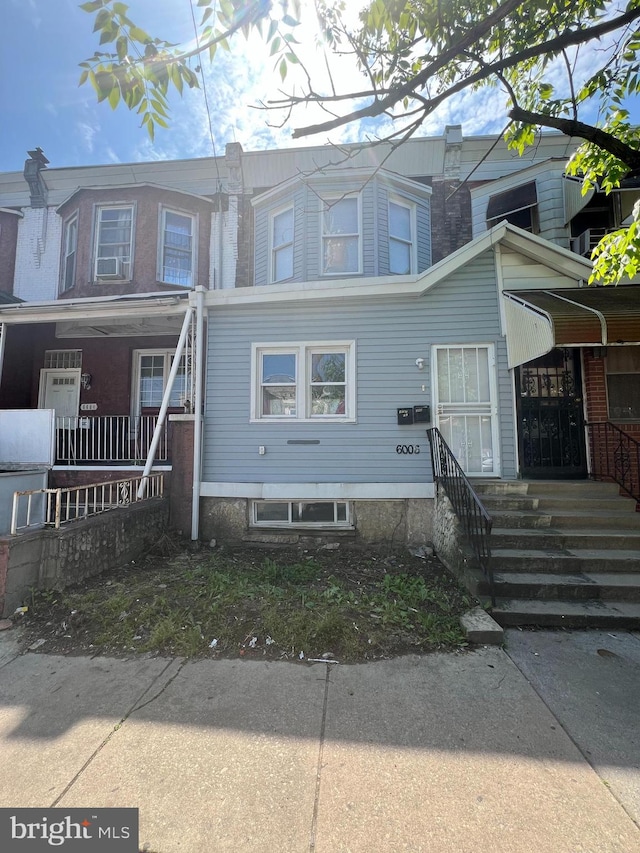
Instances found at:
x=96 y=232
x=348 y=524
x=303 y=350
x=413 y=242
x=73 y=219
x=485 y=407
x=332 y=199
x=273 y=247
x=137 y=355
x=163 y=210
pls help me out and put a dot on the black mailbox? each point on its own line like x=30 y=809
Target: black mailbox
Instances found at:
x=405 y=416
x=422 y=414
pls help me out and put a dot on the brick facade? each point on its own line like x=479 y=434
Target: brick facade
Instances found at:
x=38 y=255
x=148 y=203
x=602 y=453
x=181 y=493
x=450 y=217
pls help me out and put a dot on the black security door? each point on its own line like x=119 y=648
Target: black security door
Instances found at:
x=551 y=425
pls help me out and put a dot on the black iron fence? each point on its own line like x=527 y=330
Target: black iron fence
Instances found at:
x=474 y=518
x=615 y=455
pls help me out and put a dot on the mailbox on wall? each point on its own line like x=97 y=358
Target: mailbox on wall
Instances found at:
x=422 y=414
x=405 y=416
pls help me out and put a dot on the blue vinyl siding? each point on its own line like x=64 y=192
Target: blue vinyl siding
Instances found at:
x=374 y=225
x=389 y=335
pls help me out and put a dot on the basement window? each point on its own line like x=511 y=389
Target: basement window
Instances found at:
x=301 y=514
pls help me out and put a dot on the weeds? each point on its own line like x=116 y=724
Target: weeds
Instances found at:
x=350 y=606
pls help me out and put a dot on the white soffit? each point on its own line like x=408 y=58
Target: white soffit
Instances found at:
x=130 y=327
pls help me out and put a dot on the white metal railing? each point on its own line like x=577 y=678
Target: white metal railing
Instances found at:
x=108 y=438
x=53 y=507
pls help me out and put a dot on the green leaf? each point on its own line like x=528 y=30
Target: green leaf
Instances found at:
x=93 y=6
x=275 y=45
x=122 y=47
x=83 y=78
x=114 y=97
x=282 y=68
x=138 y=34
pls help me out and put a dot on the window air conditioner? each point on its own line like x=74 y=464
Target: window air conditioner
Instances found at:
x=108 y=267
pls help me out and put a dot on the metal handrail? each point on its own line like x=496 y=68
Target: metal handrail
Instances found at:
x=38 y=508
x=476 y=521
x=615 y=455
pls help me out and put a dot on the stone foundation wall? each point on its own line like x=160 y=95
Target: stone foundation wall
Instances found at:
x=450 y=545
x=54 y=559
x=376 y=523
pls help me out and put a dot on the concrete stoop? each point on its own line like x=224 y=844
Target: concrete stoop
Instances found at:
x=564 y=553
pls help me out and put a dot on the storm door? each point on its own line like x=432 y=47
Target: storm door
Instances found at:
x=550 y=416
x=466 y=410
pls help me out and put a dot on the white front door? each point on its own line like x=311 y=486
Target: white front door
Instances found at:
x=465 y=405
x=60 y=390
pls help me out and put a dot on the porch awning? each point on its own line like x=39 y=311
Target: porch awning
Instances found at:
x=538 y=320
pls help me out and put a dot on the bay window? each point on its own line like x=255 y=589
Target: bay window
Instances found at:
x=282 y=245
x=341 y=236
x=177 y=248
x=401 y=243
x=114 y=242
x=69 y=252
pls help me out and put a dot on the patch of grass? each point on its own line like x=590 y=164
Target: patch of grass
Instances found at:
x=351 y=606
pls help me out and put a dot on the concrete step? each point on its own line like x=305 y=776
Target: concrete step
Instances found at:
x=566 y=560
x=552 y=488
x=534 y=519
x=547 y=504
x=582 y=586
x=569 y=614
x=569 y=538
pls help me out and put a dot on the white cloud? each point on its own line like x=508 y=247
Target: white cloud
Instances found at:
x=87 y=133
x=239 y=81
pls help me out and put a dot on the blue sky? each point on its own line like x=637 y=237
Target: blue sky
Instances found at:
x=42 y=42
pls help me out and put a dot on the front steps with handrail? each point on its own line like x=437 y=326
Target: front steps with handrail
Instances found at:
x=563 y=553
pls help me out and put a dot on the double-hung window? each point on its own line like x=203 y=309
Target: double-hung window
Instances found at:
x=401 y=242
x=304 y=381
x=69 y=252
x=341 y=235
x=114 y=239
x=177 y=248
x=151 y=372
x=282 y=245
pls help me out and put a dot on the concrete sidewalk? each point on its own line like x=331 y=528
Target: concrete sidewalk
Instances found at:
x=447 y=752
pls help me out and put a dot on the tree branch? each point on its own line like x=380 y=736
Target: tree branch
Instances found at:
x=567 y=39
x=571 y=127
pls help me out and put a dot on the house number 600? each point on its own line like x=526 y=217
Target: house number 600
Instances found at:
x=407 y=448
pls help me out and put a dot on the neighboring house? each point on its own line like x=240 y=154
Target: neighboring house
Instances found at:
x=347 y=299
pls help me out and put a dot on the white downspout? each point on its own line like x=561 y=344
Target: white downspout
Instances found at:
x=157 y=433
x=198 y=410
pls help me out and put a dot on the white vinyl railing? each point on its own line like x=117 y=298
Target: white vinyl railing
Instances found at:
x=108 y=438
x=38 y=508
